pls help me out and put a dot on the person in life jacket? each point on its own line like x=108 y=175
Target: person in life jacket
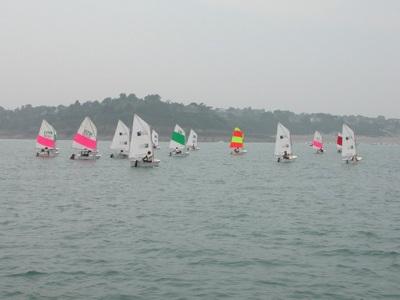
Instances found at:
x=148 y=157
x=177 y=151
x=285 y=155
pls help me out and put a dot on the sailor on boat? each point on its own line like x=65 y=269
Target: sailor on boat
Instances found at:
x=148 y=158
x=236 y=150
x=352 y=159
x=285 y=155
x=43 y=151
x=86 y=153
x=177 y=151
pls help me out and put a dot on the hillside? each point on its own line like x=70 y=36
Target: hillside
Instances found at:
x=24 y=122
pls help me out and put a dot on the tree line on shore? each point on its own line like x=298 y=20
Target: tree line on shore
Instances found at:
x=163 y=115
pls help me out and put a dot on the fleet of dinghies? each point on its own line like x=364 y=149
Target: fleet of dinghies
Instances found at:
x=138 y=145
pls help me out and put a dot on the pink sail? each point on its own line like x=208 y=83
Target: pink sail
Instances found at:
x=85 y=141
x=46 y=142
x=317 y=144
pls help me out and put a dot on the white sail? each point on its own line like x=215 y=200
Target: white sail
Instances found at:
x=120 y=142
x=154 y=138
x=348 y=143
x=141 y=142
x=283 y=141
x=46 y=137
x=178 y=138
x=192 y=139
x=86 y=137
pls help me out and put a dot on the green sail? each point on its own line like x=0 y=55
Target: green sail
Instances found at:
x=178 y=137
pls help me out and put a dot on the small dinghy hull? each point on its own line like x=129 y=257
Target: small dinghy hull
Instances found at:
x=144 y=164
x=182 y=154
x=287 y=160
x=47 y=153
x=353 y=161
x=240 y=153
x=193 y=149
x=80 y=156
x=119 y=156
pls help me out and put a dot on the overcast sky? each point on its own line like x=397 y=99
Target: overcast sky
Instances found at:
x=338 y=56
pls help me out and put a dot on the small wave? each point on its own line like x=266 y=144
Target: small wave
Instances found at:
x=367 y=233
x=349 y=252
x=5 y=222
x=30 y=273
x=269 y=282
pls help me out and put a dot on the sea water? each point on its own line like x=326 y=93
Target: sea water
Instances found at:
x=208 y=226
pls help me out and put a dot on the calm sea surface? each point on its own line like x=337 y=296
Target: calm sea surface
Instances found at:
x=208 y=226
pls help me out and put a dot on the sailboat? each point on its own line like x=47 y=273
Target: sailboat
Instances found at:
x=339 y=141
x=46 y=141
x=192 y=141
x=85 y=141
x=237 y=142
x=154 y=138
x=120 y=142
x=349 y=148
x=178 y=143
x=283 y=145
x=317 y=143
x=141 y=152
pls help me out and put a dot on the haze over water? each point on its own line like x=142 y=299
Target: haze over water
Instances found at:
x=204 y=227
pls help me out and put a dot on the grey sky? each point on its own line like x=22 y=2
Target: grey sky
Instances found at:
x=338 y=57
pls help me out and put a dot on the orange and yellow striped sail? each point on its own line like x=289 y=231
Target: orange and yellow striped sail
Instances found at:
x=237 y=138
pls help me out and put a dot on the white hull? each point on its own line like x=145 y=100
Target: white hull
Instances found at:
x=319 y=152
x=119 y=156
x=193 y=149
x=47 y=153
x=91 y=156
x=287 y=160
x=241 y=152
x=142 y=164
x=156 y=147
x=182 y=154
x=356 y=160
